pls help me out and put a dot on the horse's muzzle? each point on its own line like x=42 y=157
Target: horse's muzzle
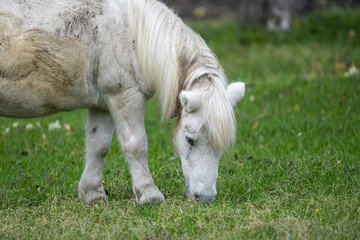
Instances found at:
x=198 y=196
x=202 y=198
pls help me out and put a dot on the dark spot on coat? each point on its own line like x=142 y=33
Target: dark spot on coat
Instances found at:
x=95 y=31
x=94 y=130
x=103 y=155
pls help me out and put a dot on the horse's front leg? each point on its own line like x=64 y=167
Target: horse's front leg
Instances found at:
x=127 y=111
x=99 y=132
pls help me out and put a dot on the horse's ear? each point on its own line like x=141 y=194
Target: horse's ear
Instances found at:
x=235 y=92
x=190 y=101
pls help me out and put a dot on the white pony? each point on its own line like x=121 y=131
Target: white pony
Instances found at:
x=110 y=56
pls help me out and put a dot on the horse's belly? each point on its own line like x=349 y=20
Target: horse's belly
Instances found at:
x=24 y=100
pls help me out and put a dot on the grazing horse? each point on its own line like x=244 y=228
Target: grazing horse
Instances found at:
x=111 y=56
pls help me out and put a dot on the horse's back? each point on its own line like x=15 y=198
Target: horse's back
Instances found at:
x=53 y=16
x=33 y=11
x=63 y=55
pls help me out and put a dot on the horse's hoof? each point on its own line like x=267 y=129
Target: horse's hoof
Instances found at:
x=151 y=196
x=94 y=196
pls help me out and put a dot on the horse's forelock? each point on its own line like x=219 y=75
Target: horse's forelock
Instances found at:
x=220 y=117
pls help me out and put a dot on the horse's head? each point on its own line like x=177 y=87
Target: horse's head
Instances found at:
x=204 y=127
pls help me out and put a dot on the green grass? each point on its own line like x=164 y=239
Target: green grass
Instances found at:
x=293 y=172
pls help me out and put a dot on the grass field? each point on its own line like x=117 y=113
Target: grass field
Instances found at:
x=294 y=172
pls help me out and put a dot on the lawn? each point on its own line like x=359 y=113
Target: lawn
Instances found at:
x=293 y=173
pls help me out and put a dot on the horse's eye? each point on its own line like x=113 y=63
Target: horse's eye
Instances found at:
x=190 y=141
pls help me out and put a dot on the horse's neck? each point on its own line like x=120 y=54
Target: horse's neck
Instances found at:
x=170 y=55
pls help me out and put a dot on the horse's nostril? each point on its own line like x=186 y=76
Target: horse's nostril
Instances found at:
x=201 y=198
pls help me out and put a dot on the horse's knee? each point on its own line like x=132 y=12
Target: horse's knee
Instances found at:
x=135 y=146
x=100 y=150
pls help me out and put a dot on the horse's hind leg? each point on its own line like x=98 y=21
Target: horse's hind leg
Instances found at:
x=99 y=132
x=127 y=110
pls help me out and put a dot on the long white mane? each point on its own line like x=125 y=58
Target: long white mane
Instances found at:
x=172 y=58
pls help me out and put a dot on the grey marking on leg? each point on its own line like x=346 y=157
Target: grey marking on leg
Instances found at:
x=80 y=22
